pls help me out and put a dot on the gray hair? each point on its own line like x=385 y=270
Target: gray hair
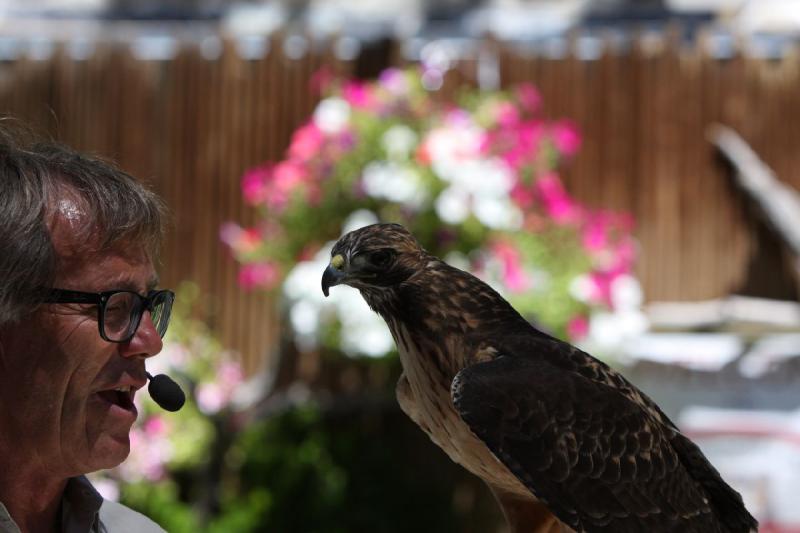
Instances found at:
x=34 y=176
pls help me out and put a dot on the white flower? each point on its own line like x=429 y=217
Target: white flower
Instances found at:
x=582 y=288
x=304 y=317
x=363 y=331
x=395 y=182
x=626 y=293
x=332 y=115
x=358 y=219
x=398 y=142
x=458 y=260
x=498 y=213
x=609 y=331
x=450 y=148
x=452 y=205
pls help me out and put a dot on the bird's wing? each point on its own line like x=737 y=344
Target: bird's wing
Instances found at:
x=595 y=457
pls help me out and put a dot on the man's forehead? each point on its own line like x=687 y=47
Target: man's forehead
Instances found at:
x=112 y=270
x=85 y=265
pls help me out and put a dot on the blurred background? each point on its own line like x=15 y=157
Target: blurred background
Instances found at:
x=624 y=171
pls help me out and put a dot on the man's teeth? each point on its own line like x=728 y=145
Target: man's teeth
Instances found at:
x=126 y=390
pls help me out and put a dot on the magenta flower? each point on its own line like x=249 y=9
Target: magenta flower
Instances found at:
x=358 y=95
x=566 y=137
x=606 y=237
x=557 y=203
x=518 y=145
x=602 y=287
x=254 y=184
x=578 y=328
x=595 y=233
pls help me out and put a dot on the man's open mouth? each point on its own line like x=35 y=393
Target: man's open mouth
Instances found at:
x=120 y=396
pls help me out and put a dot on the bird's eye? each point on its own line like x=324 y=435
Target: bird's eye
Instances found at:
x=380 y=258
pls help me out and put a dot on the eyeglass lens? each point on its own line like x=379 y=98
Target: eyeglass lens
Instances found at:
x=123 y=313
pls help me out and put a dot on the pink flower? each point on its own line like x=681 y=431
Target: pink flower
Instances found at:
x=322 y=79
x=254 y=184
x=529 y=97
x=394 y=81
x=595 y=231
x=523 y=196
x=557 y=203
x=530 y=134
x=518 y=145
x=307 y=142
x=577 y=328
x=506 y=114
x=229 y=375
x=258 y=275
x=606 y=237
x=154 y=426
x=240 y=240
x=215 y=395
x=458 y=118
x=288 y=176
x=210 y=398
x=602 y=287
x=513 y=274
x=566 y=137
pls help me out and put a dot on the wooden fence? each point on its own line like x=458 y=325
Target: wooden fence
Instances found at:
x=191 y=125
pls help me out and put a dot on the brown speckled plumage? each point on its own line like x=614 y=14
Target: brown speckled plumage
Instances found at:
x=543 y=423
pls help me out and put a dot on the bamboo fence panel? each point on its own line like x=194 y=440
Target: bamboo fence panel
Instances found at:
x=192 y=124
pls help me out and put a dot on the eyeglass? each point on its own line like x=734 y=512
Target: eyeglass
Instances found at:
x=120 y=312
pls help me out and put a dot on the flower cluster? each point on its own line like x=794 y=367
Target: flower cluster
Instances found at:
x=475 y=178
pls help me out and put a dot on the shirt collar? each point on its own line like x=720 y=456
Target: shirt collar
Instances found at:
x=80 y=506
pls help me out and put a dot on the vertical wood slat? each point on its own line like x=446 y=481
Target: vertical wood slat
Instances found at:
x=192 y=125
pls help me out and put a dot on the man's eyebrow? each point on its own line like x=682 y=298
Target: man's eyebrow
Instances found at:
x=126 y=283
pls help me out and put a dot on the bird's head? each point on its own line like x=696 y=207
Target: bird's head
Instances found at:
x=375 y=257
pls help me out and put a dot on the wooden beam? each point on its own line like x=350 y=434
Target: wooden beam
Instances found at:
x=778 y=202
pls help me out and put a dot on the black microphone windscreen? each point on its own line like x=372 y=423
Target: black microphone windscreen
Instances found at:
x=166 y=393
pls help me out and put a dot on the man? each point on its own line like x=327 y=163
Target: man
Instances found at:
x=78 y=319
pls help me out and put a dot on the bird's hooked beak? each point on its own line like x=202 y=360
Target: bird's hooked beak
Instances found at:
x=334 y=274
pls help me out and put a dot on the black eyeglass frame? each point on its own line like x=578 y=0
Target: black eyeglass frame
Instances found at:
x=63 y=296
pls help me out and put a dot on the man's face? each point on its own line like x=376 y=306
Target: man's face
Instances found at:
x=58 y=376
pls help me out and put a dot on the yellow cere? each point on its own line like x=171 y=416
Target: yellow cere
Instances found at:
x=337 y=262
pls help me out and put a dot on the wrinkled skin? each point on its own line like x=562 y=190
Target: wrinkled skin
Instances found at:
x=53 y=424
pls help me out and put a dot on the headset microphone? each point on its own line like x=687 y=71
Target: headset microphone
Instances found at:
x=165 y=392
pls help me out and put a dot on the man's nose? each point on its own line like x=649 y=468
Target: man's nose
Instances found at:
x=146 y=342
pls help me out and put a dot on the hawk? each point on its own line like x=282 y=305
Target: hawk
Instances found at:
x=564 y=442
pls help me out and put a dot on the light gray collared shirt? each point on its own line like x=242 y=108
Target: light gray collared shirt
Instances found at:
x=83 y=510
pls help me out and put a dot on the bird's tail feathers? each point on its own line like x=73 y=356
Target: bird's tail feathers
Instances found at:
x=728 y=503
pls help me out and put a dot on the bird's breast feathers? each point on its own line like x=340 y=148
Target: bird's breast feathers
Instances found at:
x=427 y=401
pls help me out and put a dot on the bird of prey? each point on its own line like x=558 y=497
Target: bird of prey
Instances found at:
x=564 y=442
